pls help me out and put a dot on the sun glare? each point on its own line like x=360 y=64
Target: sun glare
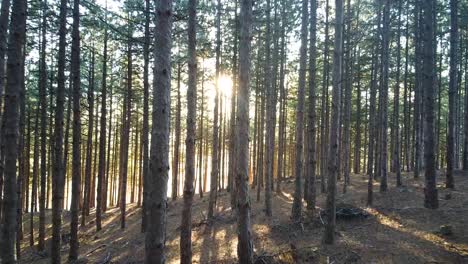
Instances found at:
x=225 y=84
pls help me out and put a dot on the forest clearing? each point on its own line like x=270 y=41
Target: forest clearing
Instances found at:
x=397 y=230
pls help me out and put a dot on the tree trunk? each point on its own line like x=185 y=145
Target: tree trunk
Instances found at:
x=76 y=160
x=311 y=163
x=384 y=96
x=43 y=132
x=89 y=144
x=324 y=135
x=396 y=106
x=102 y=139
x=428 y=81
x=245 y=244
x=159 y=162
x=186 y=224
x=329 y=235
x=175 y=161
x=453 y=86
x=297 y=202
x=58 y=179
x=10 y=124
x=214 y=159
x=126 y=135
x=145 y=138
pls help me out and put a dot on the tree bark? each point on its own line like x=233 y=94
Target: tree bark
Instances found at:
x=214 y=150
x=329 y=234
x=186 y=224
x=159 y=162
x=428 y=81
x=43 y=102
x=245 y=244
x=58 y=179
x=297 y=202
x=76 y=160
x=453 y=86
x=311 y=163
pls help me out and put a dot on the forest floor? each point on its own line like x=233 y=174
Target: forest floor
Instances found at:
x=398 y=229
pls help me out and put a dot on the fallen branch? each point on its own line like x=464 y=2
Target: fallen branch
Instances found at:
x=95 y=249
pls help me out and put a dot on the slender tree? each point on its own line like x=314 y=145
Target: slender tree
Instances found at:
x=76 y=145
x=43 y=103
x=329 y=234
x=186 y=224
x=297 y=202
x=214 y=149
x=453 y=87
x=58 y=180
x=311 y=163
x=102 y=139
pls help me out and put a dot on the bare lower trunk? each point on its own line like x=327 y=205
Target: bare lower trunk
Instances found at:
x=245 y=245
x=329 y=234
x=159 y=162
x=186 y=224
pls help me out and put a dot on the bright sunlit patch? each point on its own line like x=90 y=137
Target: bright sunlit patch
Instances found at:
x=225 y=85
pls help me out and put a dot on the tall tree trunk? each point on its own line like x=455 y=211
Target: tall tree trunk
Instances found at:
x=453 y=86
x=175 y=161
x=102 y=139
x=347 y=89
x=384 y=96
x=324 y=135
x=76 y=160
x=43 y=132
x=186 y=224
x=126 y=135
x=428 y=81
x=159 y=162
x=214 y=150
x=89 y=144
x=297 y=202
x=245 y=244
x=329 y=234
x=396 y=106
x=311 y=163
x=282 y=122
x=10 y=124
x=145 y=138
x=271 y=113
x=34 y=179
x=58 y=180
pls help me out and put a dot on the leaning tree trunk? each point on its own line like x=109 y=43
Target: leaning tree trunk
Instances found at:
x=10 y=127
x=453 y=86
x=244 y=234
x=76 y=153
x=186 y=224
x=329 y=234
x=58 y=179
x=430 y=189
x=159 y=159
x=297 y=203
